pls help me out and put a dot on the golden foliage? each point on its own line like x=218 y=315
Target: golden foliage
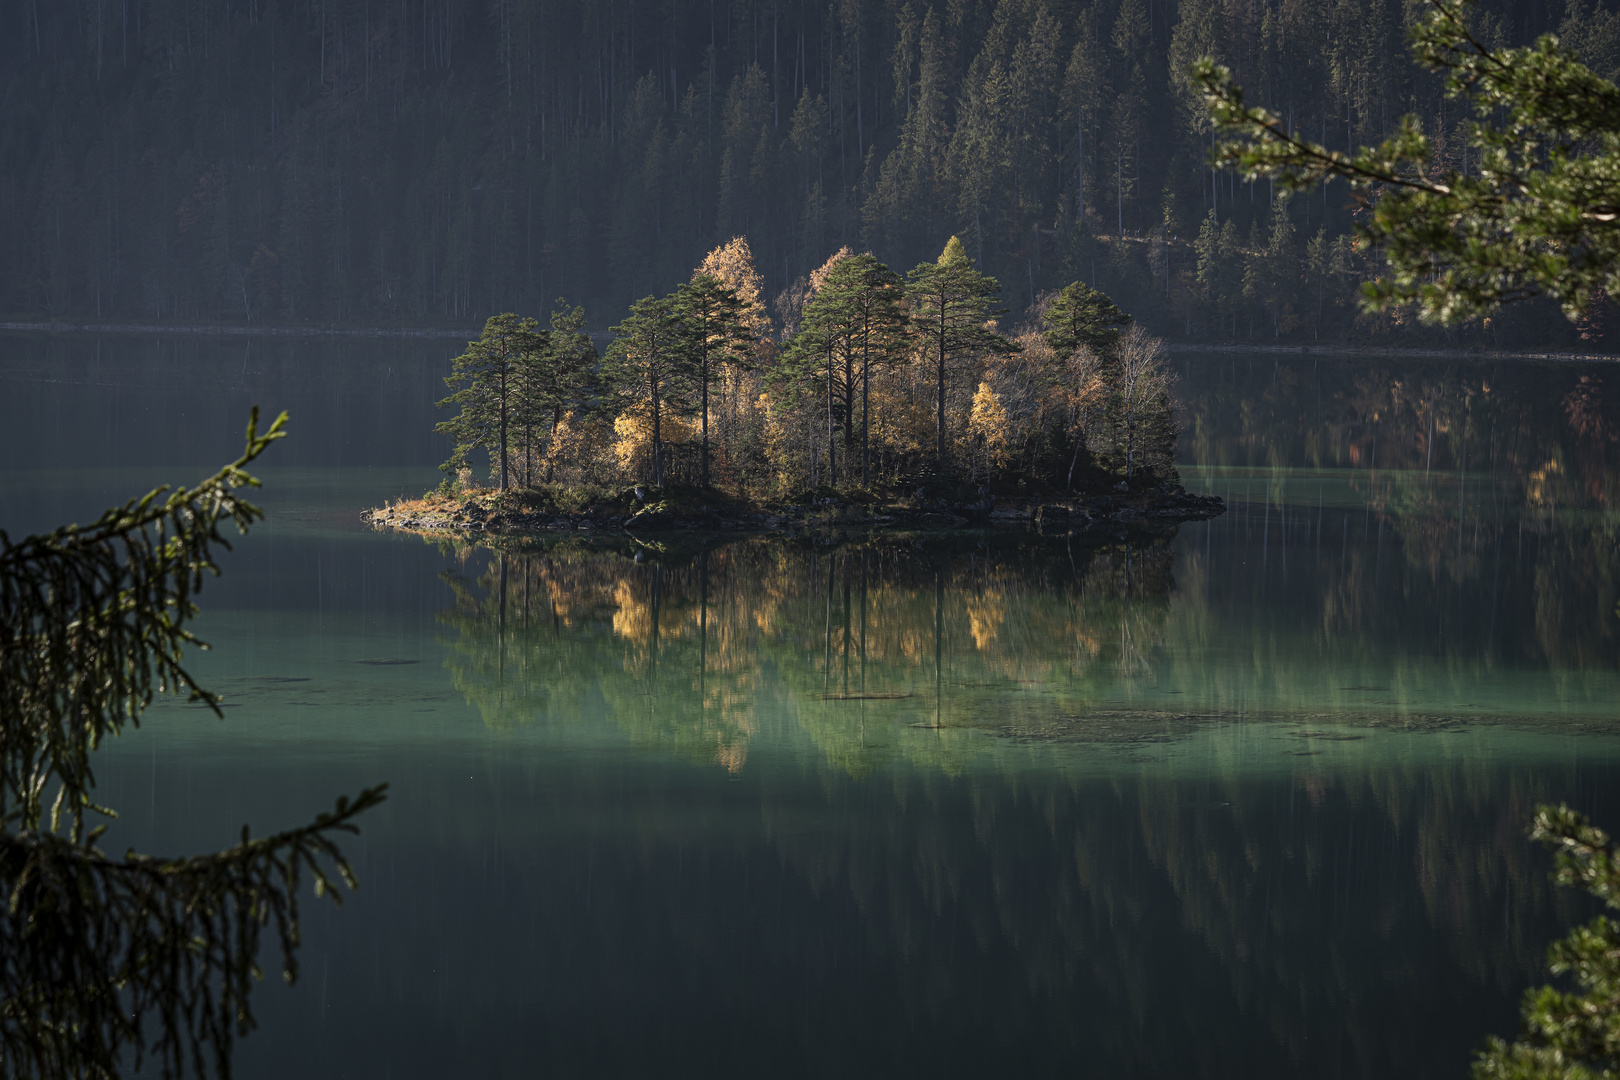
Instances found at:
x=818 y=276
x=633 y=431
x=902 y=416
x=987 y=424
x=578 y=448
x=733 y=263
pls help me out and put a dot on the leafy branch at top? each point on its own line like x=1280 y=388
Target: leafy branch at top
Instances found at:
x=1535 y=211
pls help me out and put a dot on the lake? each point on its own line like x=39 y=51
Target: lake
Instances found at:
x=1243 y=799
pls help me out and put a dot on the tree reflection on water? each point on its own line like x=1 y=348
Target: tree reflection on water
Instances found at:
x=687 y=649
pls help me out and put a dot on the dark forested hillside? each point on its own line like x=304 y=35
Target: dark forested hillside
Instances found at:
x=433 y=161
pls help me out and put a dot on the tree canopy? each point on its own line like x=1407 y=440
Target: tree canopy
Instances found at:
x=1080 y=315
x=878 y=379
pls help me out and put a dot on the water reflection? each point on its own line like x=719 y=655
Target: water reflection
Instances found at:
x=1020 y=635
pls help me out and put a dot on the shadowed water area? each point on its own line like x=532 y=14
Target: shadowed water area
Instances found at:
x=1245 y=798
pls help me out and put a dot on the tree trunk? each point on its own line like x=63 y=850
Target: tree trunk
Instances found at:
x=503 y=428
x=704 y=378
x=849 y=413
x=866 y=429
x=939 y=412
x=832 y=444
x=658 y=460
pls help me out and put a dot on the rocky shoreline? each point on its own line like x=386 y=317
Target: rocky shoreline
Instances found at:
x=1167 y=505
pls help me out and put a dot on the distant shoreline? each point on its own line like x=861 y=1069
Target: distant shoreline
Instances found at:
x=1392 y=351
x=1185 y=347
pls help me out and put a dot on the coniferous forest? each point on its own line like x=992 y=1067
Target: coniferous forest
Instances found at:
x=432 y=162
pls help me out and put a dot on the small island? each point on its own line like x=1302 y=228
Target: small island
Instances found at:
x=870 y=400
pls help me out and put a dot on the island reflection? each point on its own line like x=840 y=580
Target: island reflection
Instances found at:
x=686 y=646
x=955 y=774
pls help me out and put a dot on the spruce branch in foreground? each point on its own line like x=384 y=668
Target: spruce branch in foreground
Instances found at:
x=106 y=961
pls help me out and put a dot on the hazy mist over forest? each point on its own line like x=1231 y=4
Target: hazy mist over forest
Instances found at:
x=430 y=162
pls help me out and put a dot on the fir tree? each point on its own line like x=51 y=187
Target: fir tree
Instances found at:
x=106 y=961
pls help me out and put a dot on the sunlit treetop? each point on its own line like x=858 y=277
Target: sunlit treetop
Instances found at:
x=733 y=264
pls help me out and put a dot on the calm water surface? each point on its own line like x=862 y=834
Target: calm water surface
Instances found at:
x=1246 y=800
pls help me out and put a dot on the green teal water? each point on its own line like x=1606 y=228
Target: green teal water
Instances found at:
x=1242 y=798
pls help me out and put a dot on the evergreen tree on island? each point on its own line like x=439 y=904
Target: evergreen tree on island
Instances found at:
x=860 y=309
x=716 y=322
x=1081 y=315
x=951 y=303
x=650 y=364
x=492 y=379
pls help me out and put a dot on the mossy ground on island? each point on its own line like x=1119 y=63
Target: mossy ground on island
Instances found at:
x=650 y=509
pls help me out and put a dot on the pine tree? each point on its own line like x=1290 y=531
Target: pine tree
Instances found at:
x=650 y=364
x=951 y=303
x=820 y=351
x=562 y=377
x=866 y=298
x=718 y=333
x=491 y=376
